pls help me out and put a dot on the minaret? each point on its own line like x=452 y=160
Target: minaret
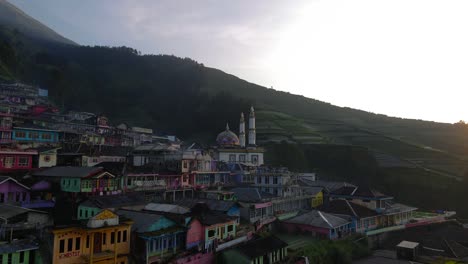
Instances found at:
x=252 y=133
x=242 y=131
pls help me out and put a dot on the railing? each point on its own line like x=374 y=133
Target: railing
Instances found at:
x=231 y=243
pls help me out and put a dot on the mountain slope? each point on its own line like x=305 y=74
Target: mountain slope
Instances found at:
x=13 y=18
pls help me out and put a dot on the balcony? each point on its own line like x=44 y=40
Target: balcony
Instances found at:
x=103 y=255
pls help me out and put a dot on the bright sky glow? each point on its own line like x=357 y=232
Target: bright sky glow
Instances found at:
x=406 y=58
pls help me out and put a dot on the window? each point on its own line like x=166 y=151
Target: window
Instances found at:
x=70 y=244
x=118 y=236
x=46 y=136
x=10 y=258
x=23 y=161
x=47 y=158
x=211 y=233
x=21 y=257
x=87 y=241
x=242 y=158
x=20 y=134
x=112 y=238
x=62 y=246
x=124 y=239
x=8 y=162
x=255 y=159
x=275 y=180
x=230 y=228
x=232 y=157
x=259 y=180
x=267 y=180
x=77 y=243
x=34 y=135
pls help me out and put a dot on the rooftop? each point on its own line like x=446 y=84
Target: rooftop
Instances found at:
x=18 y=246
x=319 y=219
x=166 y=208
x=345 y=207
x=261 y=246
x=75 y=172
x=142 y=222
x=408 y=244
x=114 y=201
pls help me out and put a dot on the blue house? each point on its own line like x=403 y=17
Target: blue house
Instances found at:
x=35 y=135
x=155 y=238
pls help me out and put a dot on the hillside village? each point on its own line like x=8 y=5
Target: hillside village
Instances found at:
x=75 y=188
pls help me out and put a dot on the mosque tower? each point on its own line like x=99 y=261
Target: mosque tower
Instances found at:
x=252 y=132
x=242 y=131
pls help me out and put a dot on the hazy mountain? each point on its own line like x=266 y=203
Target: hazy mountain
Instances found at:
x=13 y=18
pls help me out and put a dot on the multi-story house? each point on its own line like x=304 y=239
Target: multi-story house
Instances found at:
x=104 y=238
x=83 y=180
x=391 y=213
x=155 y=238
x=16 y=159
x=35 y=136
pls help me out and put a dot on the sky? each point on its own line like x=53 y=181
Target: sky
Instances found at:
x=404 y=58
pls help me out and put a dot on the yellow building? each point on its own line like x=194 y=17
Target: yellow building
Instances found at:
x=317 y=196
x=103 y=240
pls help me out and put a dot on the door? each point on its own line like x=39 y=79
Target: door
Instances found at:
x=97 y=242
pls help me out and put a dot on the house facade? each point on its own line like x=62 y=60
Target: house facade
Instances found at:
x=104 y=239
x=16 y=160
x=13 y=192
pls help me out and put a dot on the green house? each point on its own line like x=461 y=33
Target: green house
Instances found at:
x=18 y=252
x=90 y=180
x=93 y=205
x=258 y=251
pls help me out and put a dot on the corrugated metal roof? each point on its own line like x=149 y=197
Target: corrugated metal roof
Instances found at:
x=78 y=172
x=166 y=208
x=319 y=219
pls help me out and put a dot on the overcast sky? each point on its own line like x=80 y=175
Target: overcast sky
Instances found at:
x=401 y=57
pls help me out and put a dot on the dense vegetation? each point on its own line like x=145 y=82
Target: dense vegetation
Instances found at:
x=329 y=252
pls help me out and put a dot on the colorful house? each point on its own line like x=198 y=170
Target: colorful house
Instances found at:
x=104 y=239
x=208 y=231
x=35 y=135
x=364 y=219
x=256 y=207
x=93 y=205
x=258 y=251
x=319 y=224
x=391 y=213
x=18 y=251
x=13 y=192
x=155 y=237
x=85 y=180
x=16 y=160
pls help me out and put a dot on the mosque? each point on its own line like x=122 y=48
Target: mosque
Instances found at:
x=235 y=149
